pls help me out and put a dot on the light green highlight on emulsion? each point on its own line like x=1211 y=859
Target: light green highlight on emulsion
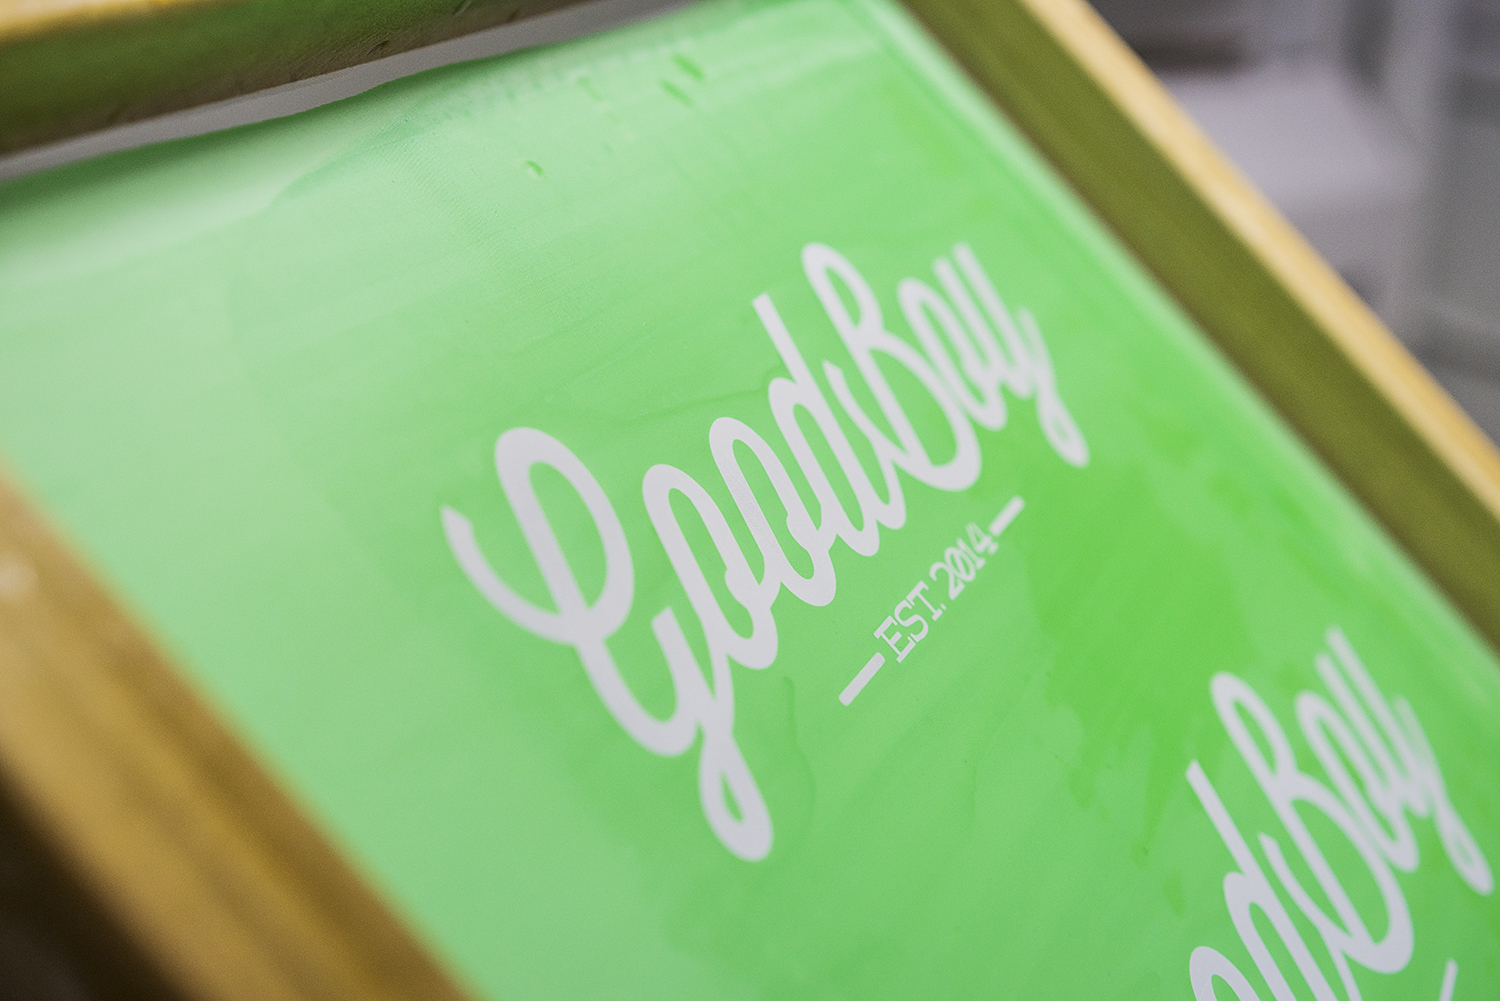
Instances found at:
x=244 y=373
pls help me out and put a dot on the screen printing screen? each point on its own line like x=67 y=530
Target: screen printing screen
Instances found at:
x=704 y=511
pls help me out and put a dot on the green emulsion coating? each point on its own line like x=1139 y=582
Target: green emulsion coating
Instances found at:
x=703 y=512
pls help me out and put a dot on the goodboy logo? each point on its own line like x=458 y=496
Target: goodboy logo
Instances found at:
x=973 y=353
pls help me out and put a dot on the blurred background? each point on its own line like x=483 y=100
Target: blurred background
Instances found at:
x=1374 y=125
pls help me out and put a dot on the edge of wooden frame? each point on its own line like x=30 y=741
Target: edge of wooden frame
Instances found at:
x=150 y=801
x=1290 y=324
x=216 y=874
x=68 y=67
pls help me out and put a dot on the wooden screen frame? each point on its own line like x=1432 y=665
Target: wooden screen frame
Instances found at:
x=150 y=800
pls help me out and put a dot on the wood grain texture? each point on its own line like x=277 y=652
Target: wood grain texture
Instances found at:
x=73 y=66
x=56 y=942
x=1287 y=321
x=150 y=801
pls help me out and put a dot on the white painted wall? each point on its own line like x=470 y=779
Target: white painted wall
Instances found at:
x=1374 y=125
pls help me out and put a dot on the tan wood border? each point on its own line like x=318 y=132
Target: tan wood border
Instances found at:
x=1284 y=317
x=151 y=802
x=150 y=799
x=72 y=66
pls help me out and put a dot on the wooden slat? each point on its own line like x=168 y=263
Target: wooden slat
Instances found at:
x=73 y=66
x=1290 y=324
x=149 y=800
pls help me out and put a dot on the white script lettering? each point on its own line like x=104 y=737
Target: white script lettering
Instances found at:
x=968 y=392
x=1398 y=774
